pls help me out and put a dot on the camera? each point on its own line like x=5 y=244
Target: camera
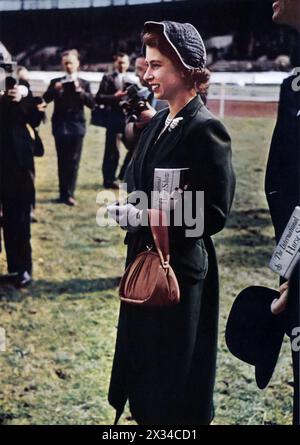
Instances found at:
x=8 y=67
x=69 y=87
x=7 y=74
x=136 y=101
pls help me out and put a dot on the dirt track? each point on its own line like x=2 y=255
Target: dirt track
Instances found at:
x=244 y=108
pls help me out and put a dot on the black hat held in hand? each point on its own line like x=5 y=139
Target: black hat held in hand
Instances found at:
x=253 y=333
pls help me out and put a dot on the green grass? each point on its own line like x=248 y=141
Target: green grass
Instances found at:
x=61 y=331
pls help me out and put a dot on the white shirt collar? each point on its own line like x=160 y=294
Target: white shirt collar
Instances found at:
x=72 y=77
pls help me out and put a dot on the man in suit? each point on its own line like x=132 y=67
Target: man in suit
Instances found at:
x=282 y=185
x=70 y=94
x=19 y=113
x=110 y=94
x=134 y=127
x=23 y=79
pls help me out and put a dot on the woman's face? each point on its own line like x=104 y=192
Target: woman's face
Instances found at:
x=165 y=79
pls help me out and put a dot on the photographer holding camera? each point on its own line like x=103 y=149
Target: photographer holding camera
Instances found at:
x=19 y=114
x=140 y=107
x=70 y=94
x=110 y=94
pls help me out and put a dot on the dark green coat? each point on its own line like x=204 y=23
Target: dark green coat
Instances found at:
x=165 y=358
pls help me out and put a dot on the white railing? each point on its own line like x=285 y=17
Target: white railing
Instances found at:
x=225 y=87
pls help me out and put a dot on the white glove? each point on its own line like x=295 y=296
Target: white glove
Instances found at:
x=18 y=92
x=127 y=216
x=22 y=90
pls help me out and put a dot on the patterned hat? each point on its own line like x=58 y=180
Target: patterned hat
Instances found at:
x=184 y=39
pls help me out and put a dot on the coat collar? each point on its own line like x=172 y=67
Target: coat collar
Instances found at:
x=168 y=140
x=191 y=108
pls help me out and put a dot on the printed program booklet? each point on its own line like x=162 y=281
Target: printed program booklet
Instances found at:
x=167 y=181
x=286 y=254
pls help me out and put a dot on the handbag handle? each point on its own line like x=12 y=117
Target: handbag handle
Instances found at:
x=158 y=223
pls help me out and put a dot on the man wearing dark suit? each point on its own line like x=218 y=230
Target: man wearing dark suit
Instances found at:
x=282 y=185
x=134 y=127
x=70 y=94
x=110 y=94
x=23 y=79
x=18 y=115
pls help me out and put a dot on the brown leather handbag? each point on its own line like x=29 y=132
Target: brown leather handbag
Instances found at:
x=150 y=280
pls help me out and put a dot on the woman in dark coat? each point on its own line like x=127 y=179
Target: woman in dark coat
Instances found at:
x=165 y=358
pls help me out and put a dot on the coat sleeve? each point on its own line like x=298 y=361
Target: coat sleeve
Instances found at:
x=281 y=188
x=277 y=143
x=51 y=92
x=32 y=116
x=104 y=96
x=87 y=97
x=218 y=177
x=212 y=173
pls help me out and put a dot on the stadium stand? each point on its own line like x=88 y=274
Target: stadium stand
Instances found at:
x=239 y=33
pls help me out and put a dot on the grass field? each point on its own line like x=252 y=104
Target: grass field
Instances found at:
x=61 y=331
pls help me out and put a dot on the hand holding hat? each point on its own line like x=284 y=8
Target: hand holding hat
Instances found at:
x=253 y=333
x=279 y=304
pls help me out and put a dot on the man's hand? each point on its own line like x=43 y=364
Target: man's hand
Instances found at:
x=120 y=94
x=78 y=88
x=279 y=304
x=42 y=107
x=18 y=92
x=59 y=86
x=145 y=117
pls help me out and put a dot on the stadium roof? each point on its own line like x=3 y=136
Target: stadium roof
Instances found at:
x=17 y=5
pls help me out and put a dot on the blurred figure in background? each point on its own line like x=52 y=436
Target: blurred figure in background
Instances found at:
x=23 y=79
x=111 y=92
x=135 y=123
x=19 y=114
x=70 y=94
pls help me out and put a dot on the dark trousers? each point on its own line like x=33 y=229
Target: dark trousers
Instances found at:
x=114 y=136
x=111 y=156
x=16 y=232
x=68 y=150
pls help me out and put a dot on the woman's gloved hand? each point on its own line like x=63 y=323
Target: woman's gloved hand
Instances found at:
x=127 y=216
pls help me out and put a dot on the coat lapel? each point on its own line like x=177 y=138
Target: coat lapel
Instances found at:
x=167 y=141
x=147 y=140
x=171 y=138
